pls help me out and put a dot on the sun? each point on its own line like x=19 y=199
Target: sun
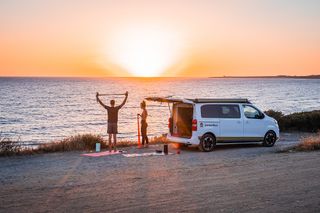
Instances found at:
x=144 y=51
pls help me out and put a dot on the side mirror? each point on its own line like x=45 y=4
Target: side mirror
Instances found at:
x=261 y=116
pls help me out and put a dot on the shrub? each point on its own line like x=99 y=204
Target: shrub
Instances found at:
x=275 y=114
x=299 y=121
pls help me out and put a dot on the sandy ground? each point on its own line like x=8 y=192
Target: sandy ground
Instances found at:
x=233 y=178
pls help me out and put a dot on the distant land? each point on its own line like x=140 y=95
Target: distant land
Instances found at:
x=275 y=76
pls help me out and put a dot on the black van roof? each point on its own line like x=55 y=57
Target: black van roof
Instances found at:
x=198 y=100
x=220 y=100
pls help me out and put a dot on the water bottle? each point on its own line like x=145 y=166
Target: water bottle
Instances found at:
x=98 y=146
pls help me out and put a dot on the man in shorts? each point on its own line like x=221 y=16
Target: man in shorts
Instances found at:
x=112 y=119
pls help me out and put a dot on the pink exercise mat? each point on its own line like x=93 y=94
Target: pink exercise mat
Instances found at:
x=106 y=153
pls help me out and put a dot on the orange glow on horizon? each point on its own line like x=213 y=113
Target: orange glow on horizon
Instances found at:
x=143 y=51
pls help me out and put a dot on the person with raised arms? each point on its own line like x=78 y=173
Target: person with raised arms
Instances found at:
x=112 y=119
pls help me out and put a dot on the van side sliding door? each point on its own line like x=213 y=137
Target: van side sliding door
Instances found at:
x=224 y=117
x=231 y=123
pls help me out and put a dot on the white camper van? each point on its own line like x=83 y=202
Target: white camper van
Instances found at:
x=205 y=122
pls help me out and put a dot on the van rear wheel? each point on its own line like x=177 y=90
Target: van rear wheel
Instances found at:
x=207 y=143
x=269 y=139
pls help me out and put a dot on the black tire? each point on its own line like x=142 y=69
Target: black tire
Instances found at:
x=207 y=143
x=269 y=139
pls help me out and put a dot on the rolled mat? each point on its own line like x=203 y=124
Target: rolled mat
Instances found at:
x=145 y=154
x=106 y=153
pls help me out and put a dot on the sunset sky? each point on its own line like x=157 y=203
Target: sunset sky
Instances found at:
x=197 y=38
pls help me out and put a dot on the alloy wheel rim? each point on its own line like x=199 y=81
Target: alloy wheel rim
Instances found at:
x=208 y=143
x=270 y=138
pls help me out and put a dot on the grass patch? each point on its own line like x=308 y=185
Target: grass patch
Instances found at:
x=84 y=142
x=299 y=121
x=87 y=142
x=73 y=143
x=309 y=143
x=9 y=146
x=154 y=140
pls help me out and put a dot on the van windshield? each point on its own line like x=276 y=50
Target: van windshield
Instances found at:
x=220 y=111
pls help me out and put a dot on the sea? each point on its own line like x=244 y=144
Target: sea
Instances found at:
x=40 y=110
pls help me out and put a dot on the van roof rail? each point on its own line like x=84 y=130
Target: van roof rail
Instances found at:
x=220 y=100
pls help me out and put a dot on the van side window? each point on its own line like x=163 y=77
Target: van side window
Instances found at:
x=220 y=111
x=252 y=113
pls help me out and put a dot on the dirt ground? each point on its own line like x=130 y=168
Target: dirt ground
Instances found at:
x=233 y=178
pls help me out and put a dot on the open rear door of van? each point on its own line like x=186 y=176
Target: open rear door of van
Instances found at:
x=168 y=100
x=164 y=99
x=180 y=121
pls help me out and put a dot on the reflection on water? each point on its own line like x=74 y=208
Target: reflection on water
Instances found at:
x=44 y=109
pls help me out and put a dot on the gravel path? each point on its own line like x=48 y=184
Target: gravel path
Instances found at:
x=233 y=178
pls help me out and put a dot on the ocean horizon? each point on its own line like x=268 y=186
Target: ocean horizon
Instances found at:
x=45 y=109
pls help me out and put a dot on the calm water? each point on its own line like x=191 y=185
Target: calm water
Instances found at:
x=40 y=110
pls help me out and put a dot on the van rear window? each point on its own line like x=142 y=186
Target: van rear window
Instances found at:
x=220 y=111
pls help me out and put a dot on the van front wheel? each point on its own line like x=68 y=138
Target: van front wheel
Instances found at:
x=207 y=143
x=269 y=139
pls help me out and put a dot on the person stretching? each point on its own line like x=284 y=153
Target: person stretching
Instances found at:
x=112 y=119
x=144 y=124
